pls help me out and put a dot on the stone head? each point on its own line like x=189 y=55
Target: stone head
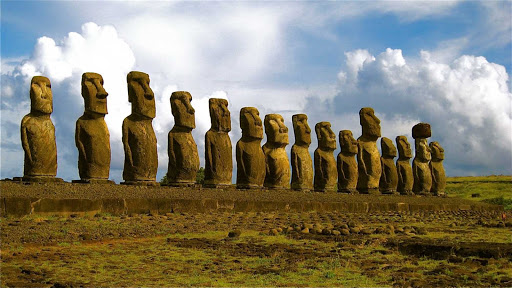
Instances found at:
x=370 y=123
x=220 y=115
x=182 y=110
x=275 y=129
x=41 y=98
x=387 y=147
x=326 y=138
x=301 y=129
x=140 y=94
x=404 y=148
x=347 y=142
x=423 y=152
x=95 y=96
x=250 y=123
x=437 y=151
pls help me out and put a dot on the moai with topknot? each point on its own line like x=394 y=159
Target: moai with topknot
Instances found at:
x=277 y=163
x=347 y=165
x=139 y=140
x=218 y=155
x=420 y=164
x=403 y=166
x=389 y=177
x=437 y=168
x=92 y=137
x=250 y=159
x=302 y=164
x=325 y=164
x=368 y=157
x=38 y=134
x=182 y=149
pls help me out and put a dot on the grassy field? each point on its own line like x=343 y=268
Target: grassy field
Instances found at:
x=490 y=189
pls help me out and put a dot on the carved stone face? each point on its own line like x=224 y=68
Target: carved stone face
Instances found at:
x=41 y=98
x=422 y=150
x=404 y=148
x=301 y=129
x=437 y=151
x=326 y=138
x=182 y=110
x=370 y=123
x=347 y=142
x=250 y=123
x=95 y=96
x=220 y=115
x=275 y=129
x=387 y=147
x=140 y=94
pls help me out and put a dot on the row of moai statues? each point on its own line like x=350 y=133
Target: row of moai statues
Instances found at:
x=359 y=167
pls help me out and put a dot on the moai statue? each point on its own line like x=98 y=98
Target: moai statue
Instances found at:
x=218 y=154
x=368 y=158
x=302 y=164
x=347 y=165
x=277 y=163
x=420 y=164
x=38 y=134
x=139 y=140
x=182 y=149
x=389 y=178
x=436 y=166
x=325 y=164
x=250 y=160
x=403 y=166
x=91 y=135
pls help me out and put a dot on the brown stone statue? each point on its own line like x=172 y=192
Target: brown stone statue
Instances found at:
x=218 y=154
x=420 y=164
x=403 y=166
x=38 y=134
x=277 y=163
x=250 y=159
x=347 y=165
x=139 y=140
x=182 y=149
x=302 y=164
x=368 y=158
x=389 y=177
x=325 y=165
x=91 y=135
x=436 y=166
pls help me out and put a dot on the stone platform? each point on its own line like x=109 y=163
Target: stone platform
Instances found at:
x=18 y=199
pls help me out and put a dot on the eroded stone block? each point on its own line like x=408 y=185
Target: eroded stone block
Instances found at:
x=277 y=163
x=346 y=163
x=302 y=164
x=368 y=157
x=325 y=164
x=389 y=177
x=250 y=159
x=403 y=166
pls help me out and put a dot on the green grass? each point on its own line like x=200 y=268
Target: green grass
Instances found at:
x=491 y=189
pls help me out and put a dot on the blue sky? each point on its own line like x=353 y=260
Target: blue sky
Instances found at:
x=447 y=63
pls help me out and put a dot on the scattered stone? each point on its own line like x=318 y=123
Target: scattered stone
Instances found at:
x=344 y=232
x=234 y=234
x=335 y=232
x=305 y=231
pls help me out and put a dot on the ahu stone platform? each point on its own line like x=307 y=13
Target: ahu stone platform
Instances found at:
x=19 y=199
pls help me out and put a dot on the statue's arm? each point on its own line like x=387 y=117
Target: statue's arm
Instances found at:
x=339 y=166
x=399 y=172
x=170 y=150
x=360 y=157
x=78 y=141
x=24 y=141
x=432 y=171
x=208 y=153
x=126 y=144
x=383 y=176
x=240 y=159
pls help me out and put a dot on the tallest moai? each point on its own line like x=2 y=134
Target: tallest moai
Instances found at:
x=368 y=158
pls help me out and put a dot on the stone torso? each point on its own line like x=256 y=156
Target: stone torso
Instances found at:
x=218 y=159
x=422 y=177
x=183 y=157
x=250 y=163
x=389 y=177
x=438 y=177
x=94 y=159
x=277 y=167
x=325 y=171
x=347 y=172
x=370 y=171
x=141 y=141
x=302 y=168
x=405 y=178
x=40 y=140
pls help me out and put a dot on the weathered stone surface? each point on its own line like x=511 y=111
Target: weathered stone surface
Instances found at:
x=368 y=158
x=325 y=164
x=182 y=149
x=403 y=166
x=302 y=164
x=389 y=177
x=218 y=155
x=420 y=164
x=437 y=169
x=347 y=165
x=139 y=140
x=92 y=137
x=277 y=163
x=38 y=134
x=250 y=159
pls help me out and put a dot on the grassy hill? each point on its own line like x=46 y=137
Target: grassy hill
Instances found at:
x=491 y=189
